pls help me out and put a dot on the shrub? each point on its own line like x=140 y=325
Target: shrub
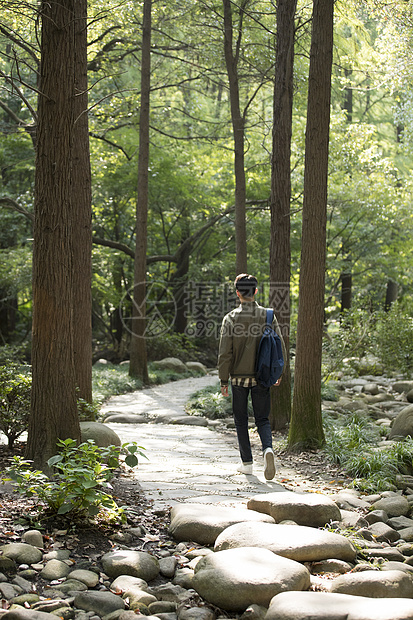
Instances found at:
x=81 y=475
x=394 y=338
x=15 y=390
x=210 y=403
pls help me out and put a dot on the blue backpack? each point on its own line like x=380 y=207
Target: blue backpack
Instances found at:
x=270 y=360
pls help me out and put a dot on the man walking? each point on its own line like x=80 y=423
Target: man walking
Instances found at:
x=241 y=333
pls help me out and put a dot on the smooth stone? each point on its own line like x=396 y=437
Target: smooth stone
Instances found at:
x=72 y=585
x=28 y=598
x=7 y=565
x=202 y=523
x=406 y=534
x=352 y=519
x=101 y=434
x=102 y=603
x=375 y=584
x=198 y=613
x=22 y=583
x=375 y=516
x=296 y=542
x=347 y=500
x=254 y=612
x=137 y=597
x=57 y=554
x=167 y=566
x=124 y=418
x=383 y=532
x=237 y=578
x=87 y=577
x=394 y=506
x=34 y=538
x=170 y=592
x=403 y=423
x=198 y=366
x=50 y=605
x=9 y=591
x=387 y=553
x=55 y=569
x=124 y=583
x=22 y=553
x=402 y=386
x=313 y=509
x=400 y=523
x=402 y=566
x=129 y=562
x=170 y=363
x=329 y=606
x=25 y=614
x=162 y=607
x=330 y=566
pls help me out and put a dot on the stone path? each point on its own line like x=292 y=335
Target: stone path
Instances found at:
x=185 y=463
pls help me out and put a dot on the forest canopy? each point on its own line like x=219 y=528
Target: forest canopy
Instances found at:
x=191 y=252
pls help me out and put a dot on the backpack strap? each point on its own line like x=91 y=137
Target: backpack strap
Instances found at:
x=270 y=316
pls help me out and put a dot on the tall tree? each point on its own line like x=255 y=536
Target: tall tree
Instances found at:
x=306 y=429
x=138 y=354
x=280 y=249
x=238 y=126
x=54 y=408
x=82 y=207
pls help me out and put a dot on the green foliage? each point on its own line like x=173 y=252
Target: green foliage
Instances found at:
x=80 y=485
x=15 y=390
x=109 y=380
x=210 y=403
x=394 y=339
x=351 y=442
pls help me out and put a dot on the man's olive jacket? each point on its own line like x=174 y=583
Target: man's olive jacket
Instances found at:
x=241 y=332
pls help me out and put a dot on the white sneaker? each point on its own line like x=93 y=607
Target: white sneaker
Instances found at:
x=269 y=464
x=245 y=468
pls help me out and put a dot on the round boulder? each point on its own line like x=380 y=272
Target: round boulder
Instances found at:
x=326 y=606
x=102 y=435
x=313 y=509
x=202 y=523
x=22 y=553
x=129 y=562
x=296 y=542
x=171 y=363
x=403 y=424
x=374 y=583
x=237 y=578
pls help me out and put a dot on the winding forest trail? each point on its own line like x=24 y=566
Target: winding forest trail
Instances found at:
x=187 y=462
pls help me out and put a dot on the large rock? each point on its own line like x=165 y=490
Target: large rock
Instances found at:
x=197 y=366
x=22 y=553
x=202 y=523
x=377 y=584
x=129 y=562
x=326 y=606
x=296 y=542
x=394 y=505
x=237 y=578
x=402 y=386
x=102 y=603
x=171 y=363
x=311 y=509
x=102 y=435
x=403 y=423
x=124 y=418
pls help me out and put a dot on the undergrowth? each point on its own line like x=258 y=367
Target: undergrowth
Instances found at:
x=352 y=442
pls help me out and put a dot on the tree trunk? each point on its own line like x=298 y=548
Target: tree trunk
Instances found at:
x=280 y=250
x=306 y=429
x=82 y=206
x=238 y=126
x=138 y=354
x=391 y=294
x=54 y=410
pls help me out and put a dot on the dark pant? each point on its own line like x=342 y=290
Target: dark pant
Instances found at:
x=261 y=404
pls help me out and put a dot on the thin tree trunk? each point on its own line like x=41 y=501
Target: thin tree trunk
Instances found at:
x=280 y=249
x=391 y=294
x=138 y=353
x=238 y=126
x=54 y=410
x=306 y=429
x=82 y=205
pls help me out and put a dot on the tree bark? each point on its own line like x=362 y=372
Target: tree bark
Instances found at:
x=280 y=249
x=306 y=429
x=238 y=126
x=82 y=206
x=54 y=409
x=138 y=354
x=391 y=294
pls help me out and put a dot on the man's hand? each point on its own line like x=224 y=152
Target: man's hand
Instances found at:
x=278 y=382
x=224 y=390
